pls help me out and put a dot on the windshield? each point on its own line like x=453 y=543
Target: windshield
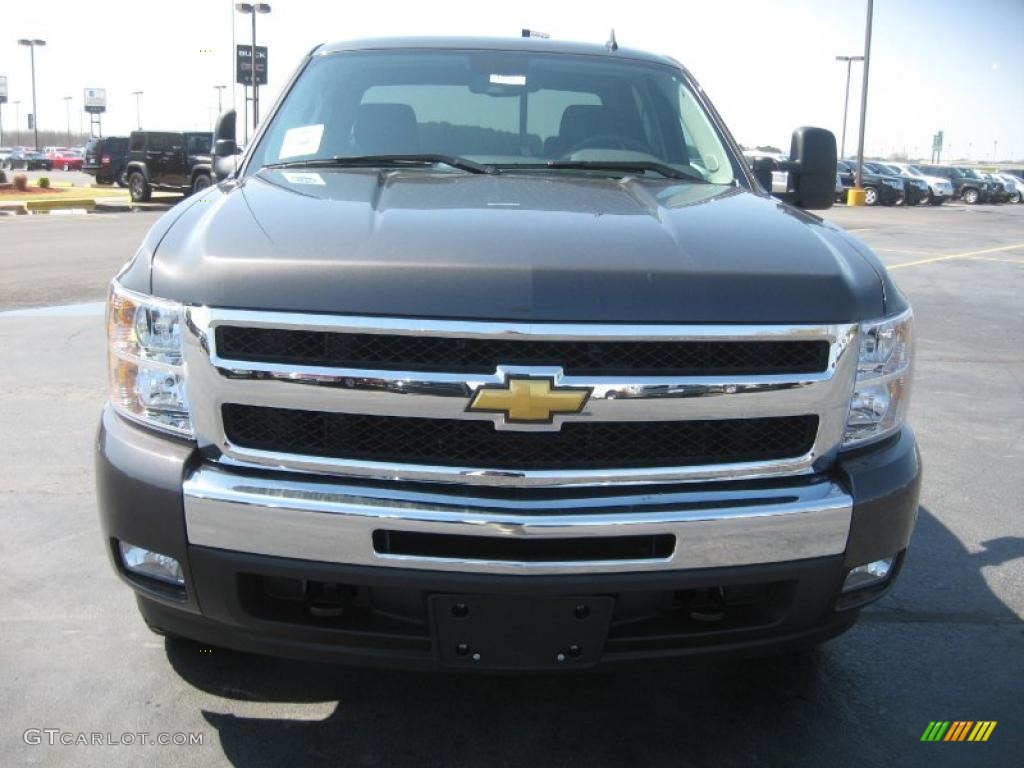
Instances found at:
x=501 y=108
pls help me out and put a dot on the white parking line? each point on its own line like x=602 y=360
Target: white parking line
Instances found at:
x=90 y=309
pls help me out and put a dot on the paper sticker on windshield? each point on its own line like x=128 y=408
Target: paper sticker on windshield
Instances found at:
x=303 y=178
x=304 y=140
x=508 y=79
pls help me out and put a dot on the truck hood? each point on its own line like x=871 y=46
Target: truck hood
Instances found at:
x=543 y=247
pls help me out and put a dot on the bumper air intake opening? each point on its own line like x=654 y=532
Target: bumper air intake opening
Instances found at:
x=489 y=548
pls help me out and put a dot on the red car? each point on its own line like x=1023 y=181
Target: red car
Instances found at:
x=65 y=159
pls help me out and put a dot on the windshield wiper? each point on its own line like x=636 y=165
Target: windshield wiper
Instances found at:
x=375 y=161
x=625 y=166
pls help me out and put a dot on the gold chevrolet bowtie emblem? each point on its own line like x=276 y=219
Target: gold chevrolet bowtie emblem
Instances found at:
x=529 y=401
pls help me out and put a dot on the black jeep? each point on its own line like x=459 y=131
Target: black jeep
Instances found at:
x=172 y=161
x=106 y=158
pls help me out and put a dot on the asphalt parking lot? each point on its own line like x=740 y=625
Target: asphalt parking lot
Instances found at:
x=947 y=643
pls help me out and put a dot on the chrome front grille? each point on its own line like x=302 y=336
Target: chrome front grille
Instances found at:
x=387 y=398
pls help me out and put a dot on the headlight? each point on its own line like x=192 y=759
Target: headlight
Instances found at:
x=878 y=406
x=147 y=373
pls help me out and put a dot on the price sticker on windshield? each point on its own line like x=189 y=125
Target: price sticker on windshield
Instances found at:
x=304 y=140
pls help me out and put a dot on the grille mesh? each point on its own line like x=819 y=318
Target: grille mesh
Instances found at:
x=430 y=353
x=578 y=445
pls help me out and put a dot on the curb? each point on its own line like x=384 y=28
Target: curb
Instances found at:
x=48 y=205
x=127 y=206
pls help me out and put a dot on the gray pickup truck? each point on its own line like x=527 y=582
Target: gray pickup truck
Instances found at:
x=497 y=355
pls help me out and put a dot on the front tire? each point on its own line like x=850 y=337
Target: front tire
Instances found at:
x=870 y=196
x=139 y=190
x=121 y=178
x=201 y=182
x=971 y=196
x=1016 y=198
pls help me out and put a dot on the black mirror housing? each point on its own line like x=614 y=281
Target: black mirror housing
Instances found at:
x=812 y=168
x=225 y=147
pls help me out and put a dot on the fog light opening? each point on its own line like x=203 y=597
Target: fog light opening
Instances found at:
x=153 y=565
x=869 y=575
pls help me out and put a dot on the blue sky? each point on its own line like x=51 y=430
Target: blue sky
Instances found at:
x=768 y=66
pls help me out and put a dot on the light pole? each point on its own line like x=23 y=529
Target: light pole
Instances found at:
x=67 y=116
x=32 y=45
x=252 y=9
x=138 y=108
x=864 y=97
x=220 y=94
x=846 y=99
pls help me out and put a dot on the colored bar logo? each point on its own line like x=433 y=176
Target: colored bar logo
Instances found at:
x=958 y=730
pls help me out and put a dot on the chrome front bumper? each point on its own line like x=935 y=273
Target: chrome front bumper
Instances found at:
x=328 y=521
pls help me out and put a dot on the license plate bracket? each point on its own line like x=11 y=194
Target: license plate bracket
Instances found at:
x=518 y=632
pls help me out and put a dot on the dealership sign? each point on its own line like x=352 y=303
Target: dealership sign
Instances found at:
x=95 y=100
x=243 y=65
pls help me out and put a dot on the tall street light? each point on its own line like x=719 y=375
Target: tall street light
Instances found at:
x=138 y=108
x=32 y=45
x=220 y=93
x=67 y=116
x=252 y=9
x=864 y=96
x=846 y=100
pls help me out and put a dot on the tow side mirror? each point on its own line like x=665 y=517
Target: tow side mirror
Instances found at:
x=225 y=148
x=812 y=168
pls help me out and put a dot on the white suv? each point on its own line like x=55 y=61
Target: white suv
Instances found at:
x=939 y=189
x=1014 y=185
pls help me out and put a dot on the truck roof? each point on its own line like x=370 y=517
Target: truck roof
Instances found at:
x=532 y=44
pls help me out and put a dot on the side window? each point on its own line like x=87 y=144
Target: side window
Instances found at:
x=199 y=143
x=172 y=142
x=138 y=142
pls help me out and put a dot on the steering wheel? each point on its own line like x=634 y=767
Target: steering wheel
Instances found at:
x=608 y=141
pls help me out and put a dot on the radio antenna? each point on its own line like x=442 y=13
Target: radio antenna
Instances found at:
x=612 y=45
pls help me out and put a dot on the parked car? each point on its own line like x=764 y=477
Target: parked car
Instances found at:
x=968 y=188
x=168 y=160
x=65 y=159
x=424 y=382
x=994 y=191
x=28 y=160
x=914 y=190
x=106 y=159
x=780 y=178
x=5 y=152
x=878 y=188
x=1014 y=186
x=998 y=191
x=939 y=189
